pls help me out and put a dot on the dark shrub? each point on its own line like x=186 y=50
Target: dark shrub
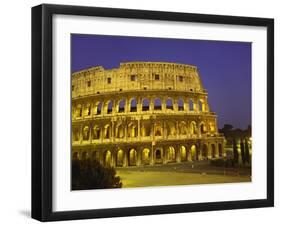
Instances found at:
x=90 y=174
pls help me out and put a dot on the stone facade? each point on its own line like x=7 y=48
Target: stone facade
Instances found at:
x=143 y=113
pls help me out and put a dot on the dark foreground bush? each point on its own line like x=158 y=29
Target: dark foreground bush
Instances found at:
x=90 y=174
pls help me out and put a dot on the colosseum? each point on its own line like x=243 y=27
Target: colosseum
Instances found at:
x=143 y=113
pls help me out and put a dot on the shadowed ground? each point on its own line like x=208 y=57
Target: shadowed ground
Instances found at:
x=181 y=174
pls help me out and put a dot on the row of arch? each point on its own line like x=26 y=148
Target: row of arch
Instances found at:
x=131 y=130
x=144 y=104
x=148 y=156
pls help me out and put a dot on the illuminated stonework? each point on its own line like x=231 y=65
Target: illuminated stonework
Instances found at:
x=143 y=113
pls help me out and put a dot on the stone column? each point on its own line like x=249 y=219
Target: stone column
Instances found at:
x=90 y=132
x=177 y=126
x=164 y=155
x=81 y=134
x=139 y=129
x=178 y=154
x=152 y=155
x=126 y=131
x=138 y=156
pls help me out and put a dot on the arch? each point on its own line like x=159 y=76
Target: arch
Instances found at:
x=79 y=111
x=157 y=104
x=120 y=131
x=145 y=156
x=202 y=105
x=97 y=108
x=220 y=150
x=107 y=159
x=132 y=130
x=96 y=132
x=180 y=104
x=133 y=105
x=191 y=105
x=109 y=106
x=183 y=153
x=158 y=154
x=182 y=128
x=87 y=111
x=169 y=104
x=86 y=133
x=158 y=130
x=171 y=154
x=202 y=128
x=121 y=106
x=205 y=151
x=76 y=134
x=120 y=158
x=171 y=128
x=132 y=157
x=107 y=131
x=213 y=149
x=193 y=129
x=194 y=152
x=145 y=104
x=145 y=129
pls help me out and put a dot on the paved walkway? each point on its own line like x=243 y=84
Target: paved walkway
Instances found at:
x=181 y=174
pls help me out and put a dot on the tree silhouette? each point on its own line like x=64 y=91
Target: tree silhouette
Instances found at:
x=247 y=152
x=235 y=152
x=242 y=151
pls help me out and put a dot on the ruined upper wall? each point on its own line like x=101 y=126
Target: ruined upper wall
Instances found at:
x=137 y=76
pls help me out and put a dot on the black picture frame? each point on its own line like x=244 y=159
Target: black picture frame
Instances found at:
x=42 y=111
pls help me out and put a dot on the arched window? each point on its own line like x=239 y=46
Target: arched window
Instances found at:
x=193 y=128
x=87 y=110
x=132 y=130
x=121 y=106
x=145 y=104
x=133 y=107
x=202 y=128
x=169 y=104
x=96 y=132
x=157 y=104
x=79 y=111
x=180 y=104
x=86 y=133
x=145 y=156
x=191 y=106
x=201 y=105
x=98 y=108
x=109 y=107
x=158 y=154
x=120 y=131
x=107 y=131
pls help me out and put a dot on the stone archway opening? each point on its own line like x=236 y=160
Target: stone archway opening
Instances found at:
x=145 y=156
x=183 y=153
x=205 y=151
x=171 y=154
x=107 y=159
x=158 y=156
x=120 y=158
x=213 y=147
x=194 y=153
x=132 y=157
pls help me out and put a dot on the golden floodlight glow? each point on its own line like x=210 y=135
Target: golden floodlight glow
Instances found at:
x=143 y=113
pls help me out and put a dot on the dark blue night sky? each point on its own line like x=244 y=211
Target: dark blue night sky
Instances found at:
x=224 y=67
